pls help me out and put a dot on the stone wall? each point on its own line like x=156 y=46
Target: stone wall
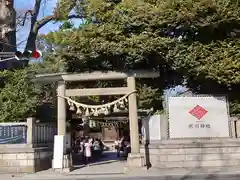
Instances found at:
x=24 y=159
x=196 y=153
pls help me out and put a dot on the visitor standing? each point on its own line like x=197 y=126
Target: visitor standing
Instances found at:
x=87 y=151
x=96 y=149
x=82 y=149
x=117 y=144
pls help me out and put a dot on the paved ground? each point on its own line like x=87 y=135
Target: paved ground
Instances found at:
x=173 y=178
x=112 y=169
x=178 y=178
x=192 y=177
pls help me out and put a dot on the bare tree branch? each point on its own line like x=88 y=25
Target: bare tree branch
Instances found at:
x=62 y=6
x=25 y=16
x=47 y=19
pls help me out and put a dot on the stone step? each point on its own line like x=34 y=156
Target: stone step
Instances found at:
x=198 y=157
x=197 y=142
x=198 y=164
x=212 y=150
x=201 y=150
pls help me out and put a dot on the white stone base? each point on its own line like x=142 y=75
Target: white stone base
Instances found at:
x=67 y=164
x=64 y=170
x=135 y=161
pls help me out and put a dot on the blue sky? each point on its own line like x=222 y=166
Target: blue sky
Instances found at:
x=47 y=7
x=22 y=6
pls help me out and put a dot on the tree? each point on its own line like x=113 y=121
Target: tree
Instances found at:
x=8 y=20
x=19 y=95
x=197 y=40
x=7 y=26
x=61 y=12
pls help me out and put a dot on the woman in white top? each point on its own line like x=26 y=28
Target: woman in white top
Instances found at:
x=88 y=151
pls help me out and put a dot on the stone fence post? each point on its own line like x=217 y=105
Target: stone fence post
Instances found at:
x=164 y=127
x=31 y=130
x=235 y=127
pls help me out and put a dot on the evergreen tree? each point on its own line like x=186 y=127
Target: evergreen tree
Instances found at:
x=187 y=40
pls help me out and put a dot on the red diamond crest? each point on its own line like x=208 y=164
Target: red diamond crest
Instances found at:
x=198 y=112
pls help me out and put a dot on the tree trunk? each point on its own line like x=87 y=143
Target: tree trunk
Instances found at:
x=34 y=27
x=8 y=26
x=31 y=42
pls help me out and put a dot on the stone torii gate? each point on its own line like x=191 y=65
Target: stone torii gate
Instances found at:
x=135 y=159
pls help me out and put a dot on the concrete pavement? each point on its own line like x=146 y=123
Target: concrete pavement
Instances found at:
x=111 y=169
x=176 y=178
x=187 y=177
x=134 y=174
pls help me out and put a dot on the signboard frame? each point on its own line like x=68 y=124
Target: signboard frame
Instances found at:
x=201 y=124
x=13 y=133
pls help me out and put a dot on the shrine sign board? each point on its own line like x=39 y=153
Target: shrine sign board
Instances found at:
x=13 y=134
x=198 y=117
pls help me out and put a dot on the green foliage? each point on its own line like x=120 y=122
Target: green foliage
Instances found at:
x=198 y=39
x=63 y=8
x=195 y=37
x=19 y=96
x=149 y=97
x=66 y=25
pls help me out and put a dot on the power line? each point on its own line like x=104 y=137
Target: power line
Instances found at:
x=8 y=59
x=7 y=53
x=2 y=42
x=7 y=44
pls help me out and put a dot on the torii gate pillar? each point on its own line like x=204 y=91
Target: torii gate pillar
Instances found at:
x=135 y=159
x=61 y=125
x=61 y=108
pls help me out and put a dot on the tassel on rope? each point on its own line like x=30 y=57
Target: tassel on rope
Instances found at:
x=87 y=112
x=106 y=112
x=121 y=104
x=115 y=109
x=96 y=113
x=79 y=112
x=104 y=109
x=69 y=102
x=101 y=111
x=72 y=108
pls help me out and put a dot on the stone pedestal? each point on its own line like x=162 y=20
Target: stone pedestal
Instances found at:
x=135 y=161
x=22 y=158
x=194 y=153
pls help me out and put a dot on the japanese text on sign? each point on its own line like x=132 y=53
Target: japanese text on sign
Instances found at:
x=199 y=126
